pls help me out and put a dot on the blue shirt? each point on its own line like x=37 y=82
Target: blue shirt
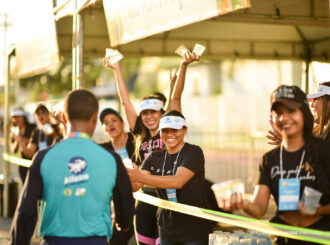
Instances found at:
x=75 y=181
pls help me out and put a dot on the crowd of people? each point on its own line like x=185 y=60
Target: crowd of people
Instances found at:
x=73 y=180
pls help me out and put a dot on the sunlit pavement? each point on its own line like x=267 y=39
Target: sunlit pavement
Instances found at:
x=4 y=232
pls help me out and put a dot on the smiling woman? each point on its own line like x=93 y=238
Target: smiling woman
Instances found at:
x=147 y=138
x=300 y=162
x=122 y=143
x=178 y=173
x=320 y=106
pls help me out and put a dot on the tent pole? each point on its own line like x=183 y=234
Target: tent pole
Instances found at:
x=6 y=167
x=308 y=55
x=307 y=61
x=77 y=49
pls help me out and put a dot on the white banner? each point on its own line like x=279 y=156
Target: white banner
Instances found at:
x=129 y=20
x=36 y=41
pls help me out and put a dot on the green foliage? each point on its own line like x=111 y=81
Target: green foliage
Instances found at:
x=2 y=98
x=146 y=84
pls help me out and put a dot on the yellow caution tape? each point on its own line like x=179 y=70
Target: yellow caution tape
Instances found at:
x=304 y=234
x=16 y=160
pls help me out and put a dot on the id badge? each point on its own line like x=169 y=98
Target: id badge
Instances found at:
x=42 y=145
x=289 y=191
x=171 y=195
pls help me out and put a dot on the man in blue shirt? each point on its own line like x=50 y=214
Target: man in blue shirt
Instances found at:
x=74 y=181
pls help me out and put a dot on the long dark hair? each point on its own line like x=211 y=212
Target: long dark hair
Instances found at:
x=25 y=120
x=143 y=132
x=173 y=113
x=312 y=151
x=308 y=122
x=322 y=129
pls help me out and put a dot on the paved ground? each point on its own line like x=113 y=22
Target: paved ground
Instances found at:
x=4 y=232
x=5 y=227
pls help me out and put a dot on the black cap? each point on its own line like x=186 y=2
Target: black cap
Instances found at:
x=42 y=107
x=291 y=96
x=107 y=111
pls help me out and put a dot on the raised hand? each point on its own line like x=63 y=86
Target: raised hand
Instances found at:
x=173 y=78
x=234 y=202
x=190 y=57
x=108 y=64
x=273 y=134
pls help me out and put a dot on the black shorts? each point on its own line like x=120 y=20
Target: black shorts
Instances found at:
x=96 y=240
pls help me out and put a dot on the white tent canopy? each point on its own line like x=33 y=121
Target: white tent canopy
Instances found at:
x=272 y=29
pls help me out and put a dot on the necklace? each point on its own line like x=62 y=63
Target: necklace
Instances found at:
x=175 y=162
x=120 y=145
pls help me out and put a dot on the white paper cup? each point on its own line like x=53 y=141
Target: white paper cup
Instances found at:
x=127 y=163
x=245 y=241
x=15 y=131
x=212 y=239
x=221 y=191
x=233 y=239
x=114 y=55
x=237 y=186
x=311 y=199
x=225 y=189
x=198 y=49
x=48 y=129
x=222 y=240
x=262 y=241
x=181 y=50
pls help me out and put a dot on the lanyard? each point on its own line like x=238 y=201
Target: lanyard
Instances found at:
x=78 y=135
x=175 y=162
x=150 y=146
x=39 y=136
x=281 y=162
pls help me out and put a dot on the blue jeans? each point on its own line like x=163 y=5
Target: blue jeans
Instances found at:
x=166 y=242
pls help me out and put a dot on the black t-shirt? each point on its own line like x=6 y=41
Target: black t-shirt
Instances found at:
x=327 y=140
x=149 y=143
x=40 y=139
x=129 y=146
x=27 y=134
x=176 y=226
x=315 y=170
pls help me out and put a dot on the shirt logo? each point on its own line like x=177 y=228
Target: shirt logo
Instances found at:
x=77 y=165
x=80 y=192
x=67 y=192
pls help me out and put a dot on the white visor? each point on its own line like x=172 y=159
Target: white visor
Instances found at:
x=172 y=122
x=320 y=91
x=151 y=104
x=17 y=113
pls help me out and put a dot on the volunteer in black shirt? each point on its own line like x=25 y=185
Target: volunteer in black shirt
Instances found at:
x=122 y=143
x=301 y=160
x=46 y=135
x=320 y=106
x=20 y=134
x=178 y=172
x=145 y=128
